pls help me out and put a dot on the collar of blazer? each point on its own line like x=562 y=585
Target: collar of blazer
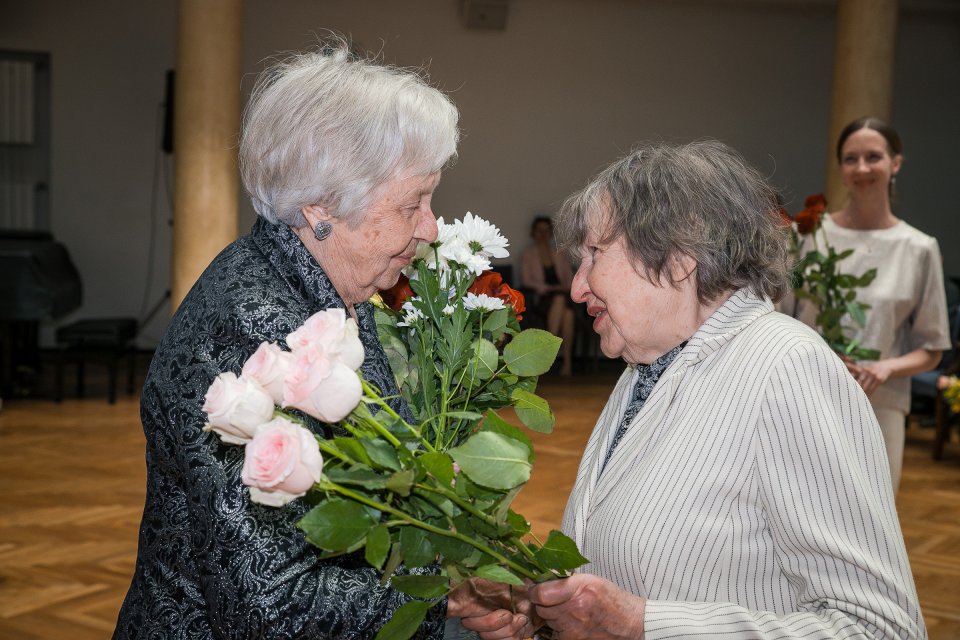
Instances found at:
x=733 y=316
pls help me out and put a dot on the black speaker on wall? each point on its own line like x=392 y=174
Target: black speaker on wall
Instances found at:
x=166 y=142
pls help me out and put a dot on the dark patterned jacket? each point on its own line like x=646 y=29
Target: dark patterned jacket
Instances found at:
x=212 y=564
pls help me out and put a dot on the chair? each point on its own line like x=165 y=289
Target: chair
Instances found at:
x=100 y=338
x=926 y=399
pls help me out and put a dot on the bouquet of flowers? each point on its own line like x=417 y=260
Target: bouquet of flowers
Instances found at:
x=437 y=489
x=951 y=393
x=817 y=277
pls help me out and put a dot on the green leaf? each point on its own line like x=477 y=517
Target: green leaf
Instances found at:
x=439 y=465
x=856 y=312
x=416 y=547
x=428 y=587
x=493 y=460
x=378 y=545
x=495 y=324
x=393 y=561
x=401 y=482
x=560 y=552
x=533 y=411
x=531 y=352
x=352 y=448
x=486 y=358
x=464 y=415
x=867 y=278
x=336 y=524
x=496 y=573
x=450 y=548
x=405 y=621
x=518 y=523
x=494 y=423
x=382 y=454
x=360 y=475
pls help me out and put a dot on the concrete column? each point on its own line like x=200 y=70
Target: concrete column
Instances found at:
x=862 y=74
x=207 y=123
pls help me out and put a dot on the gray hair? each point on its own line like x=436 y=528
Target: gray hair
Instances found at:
x=701 y=200
x=329 y=128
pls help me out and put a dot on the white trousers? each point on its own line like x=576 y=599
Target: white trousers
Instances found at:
x=892 y=424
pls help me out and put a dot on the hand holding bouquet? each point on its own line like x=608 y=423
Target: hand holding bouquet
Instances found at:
x=438 y=489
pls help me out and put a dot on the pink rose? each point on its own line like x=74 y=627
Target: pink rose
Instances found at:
x=321 y=386
x=331 y=331
x=268 y=366
x=235 y=407
x=281 y=463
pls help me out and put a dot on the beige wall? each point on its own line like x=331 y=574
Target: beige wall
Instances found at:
x=567 y=87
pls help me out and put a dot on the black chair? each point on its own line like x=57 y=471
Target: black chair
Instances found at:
x=926 y=403
x=106 y=339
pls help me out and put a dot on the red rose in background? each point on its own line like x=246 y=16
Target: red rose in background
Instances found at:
x=817 y=202
x=395 y=296
x=808 y=220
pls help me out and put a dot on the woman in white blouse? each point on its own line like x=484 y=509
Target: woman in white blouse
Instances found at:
x=907 y=319
x=735 y=484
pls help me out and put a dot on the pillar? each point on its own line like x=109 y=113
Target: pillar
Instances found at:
x=862 y=74
x=207 y=123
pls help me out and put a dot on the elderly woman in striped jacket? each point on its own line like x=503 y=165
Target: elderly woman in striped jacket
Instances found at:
x=736 y=484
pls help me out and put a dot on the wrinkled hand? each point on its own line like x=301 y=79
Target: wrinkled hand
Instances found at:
x=492 y=609
x=585 y=606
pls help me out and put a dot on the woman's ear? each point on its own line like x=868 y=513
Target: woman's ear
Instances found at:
x=897 y=162
x=682 y=267
x=315 y=213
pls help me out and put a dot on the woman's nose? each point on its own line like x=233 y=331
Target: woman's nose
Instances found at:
x=427 y=226
x=579 y=288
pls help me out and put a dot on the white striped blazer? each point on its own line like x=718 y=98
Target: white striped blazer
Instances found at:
x=750 y=497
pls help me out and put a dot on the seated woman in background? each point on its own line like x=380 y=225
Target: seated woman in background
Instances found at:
x=548 y=273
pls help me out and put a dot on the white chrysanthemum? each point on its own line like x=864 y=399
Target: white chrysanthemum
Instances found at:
x=437 y=255
x=482 y=237
x=448 y=310
x=410 y=315
x=483 y=302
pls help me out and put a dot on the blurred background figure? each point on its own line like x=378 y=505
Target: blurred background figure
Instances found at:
x=547 y=274
x=907 y=319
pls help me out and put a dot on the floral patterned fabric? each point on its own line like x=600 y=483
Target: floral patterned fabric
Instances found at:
x=647 y=377
x=211 y=563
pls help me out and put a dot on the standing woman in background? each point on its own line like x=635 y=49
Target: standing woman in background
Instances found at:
x=907 y=319
x=548 y=273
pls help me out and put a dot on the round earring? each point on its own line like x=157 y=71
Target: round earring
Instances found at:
x=322 y=230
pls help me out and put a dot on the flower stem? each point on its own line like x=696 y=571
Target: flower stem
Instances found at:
x=380 y=506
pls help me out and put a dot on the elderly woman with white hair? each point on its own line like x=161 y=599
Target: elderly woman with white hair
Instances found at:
x=341 y=157
x=735 y=485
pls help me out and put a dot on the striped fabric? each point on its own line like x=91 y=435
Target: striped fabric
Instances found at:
x=751 y=496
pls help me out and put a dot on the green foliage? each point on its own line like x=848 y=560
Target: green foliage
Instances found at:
x=817 y=278
x=440 y=489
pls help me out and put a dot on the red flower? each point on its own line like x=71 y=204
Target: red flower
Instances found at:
x=782 y=217
x=817 y=202
x=808 y=220
x=492 y=284
x=395 y=296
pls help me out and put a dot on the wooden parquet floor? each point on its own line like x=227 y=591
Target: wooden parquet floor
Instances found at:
x=72 y=484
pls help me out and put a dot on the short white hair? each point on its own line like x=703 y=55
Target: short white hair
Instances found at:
x=328 y=128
